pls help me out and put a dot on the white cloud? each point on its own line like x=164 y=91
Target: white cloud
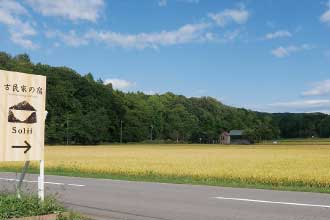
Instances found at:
x=11 y=14
x=150 y=92
x=271 y=24
x=119 y=83
x=70 y=38
x=281 y=52
x=9 y=10
x=20 y=39
x=88 y=10
x=324 y=111
x=201 y=91
x=278 y=34
x=304 y=104
x=231 y=35
x=189 y=33
x=185 y=34
x=307 y=106
x=190 y=1
x=162 y=3
x=325 y=17
x=239 y=16
x=209 y=36
x=56 y=44
x=327 y=54
x=320 y=88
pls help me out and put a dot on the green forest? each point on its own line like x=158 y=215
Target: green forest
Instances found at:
x=83 y=110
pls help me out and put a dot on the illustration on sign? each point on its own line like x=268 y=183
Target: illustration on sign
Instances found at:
x=23 y=112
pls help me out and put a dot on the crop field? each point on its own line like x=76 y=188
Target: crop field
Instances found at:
x=291 y=167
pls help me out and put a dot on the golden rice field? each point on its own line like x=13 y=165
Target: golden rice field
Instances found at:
x=281 y=165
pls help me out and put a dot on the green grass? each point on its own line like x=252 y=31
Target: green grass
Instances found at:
x=71 y=216
x=28 y=205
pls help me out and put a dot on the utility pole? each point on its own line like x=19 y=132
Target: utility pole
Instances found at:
x=121 y=131
x=151 y=130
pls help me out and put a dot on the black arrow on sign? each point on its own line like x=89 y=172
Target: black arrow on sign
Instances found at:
x=27 y=146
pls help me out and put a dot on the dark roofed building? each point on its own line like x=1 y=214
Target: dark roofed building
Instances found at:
x=237 y=137
x=234 y=137
x=236 y=133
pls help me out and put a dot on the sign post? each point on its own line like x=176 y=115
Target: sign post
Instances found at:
x=41 y=181
x=22 y=120
x=19 y=184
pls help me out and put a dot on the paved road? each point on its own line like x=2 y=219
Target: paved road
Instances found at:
x=111 y=199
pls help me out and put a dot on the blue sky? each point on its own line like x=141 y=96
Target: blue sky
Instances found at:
x=266 y=55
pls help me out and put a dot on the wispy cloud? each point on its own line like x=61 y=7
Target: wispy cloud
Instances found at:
x=319 y=89
x=231 y=35
x=278 y=34
x=71 y=38
x=190 y=1
x=307 y=106
x=327 y=54
x=150 y=92
x=325 y=17
x=120 y=83
x=281 y=51
x=185 y=34
x=13 y=15
x=89 y=10
x=162 y=3
x=201 y=91
x=223 y=18
x=304 y=104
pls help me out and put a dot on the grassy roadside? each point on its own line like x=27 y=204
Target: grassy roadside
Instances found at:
x=30 y=205
x=153 y=177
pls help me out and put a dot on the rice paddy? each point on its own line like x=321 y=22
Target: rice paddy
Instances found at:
x=293 y=167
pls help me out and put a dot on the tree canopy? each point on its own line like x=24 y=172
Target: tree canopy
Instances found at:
x=82 y=110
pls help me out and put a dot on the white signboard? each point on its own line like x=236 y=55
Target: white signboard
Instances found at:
x=22 y=116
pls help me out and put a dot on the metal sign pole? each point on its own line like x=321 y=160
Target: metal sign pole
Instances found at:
x=41 y=181
x=19 y=184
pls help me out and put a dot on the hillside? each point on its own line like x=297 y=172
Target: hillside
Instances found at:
x=83 y=110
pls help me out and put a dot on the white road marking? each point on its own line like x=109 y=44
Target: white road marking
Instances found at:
x=50 y=183
x=273 y=202
x=76 y=185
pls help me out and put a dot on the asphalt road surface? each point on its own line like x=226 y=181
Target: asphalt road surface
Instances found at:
x=112 y=199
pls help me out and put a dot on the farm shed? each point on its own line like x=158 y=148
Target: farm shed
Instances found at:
x=237 y=137
x=225 y=138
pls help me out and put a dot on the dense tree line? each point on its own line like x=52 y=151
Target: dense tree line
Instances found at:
x=303 y=125
x=83 y=110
